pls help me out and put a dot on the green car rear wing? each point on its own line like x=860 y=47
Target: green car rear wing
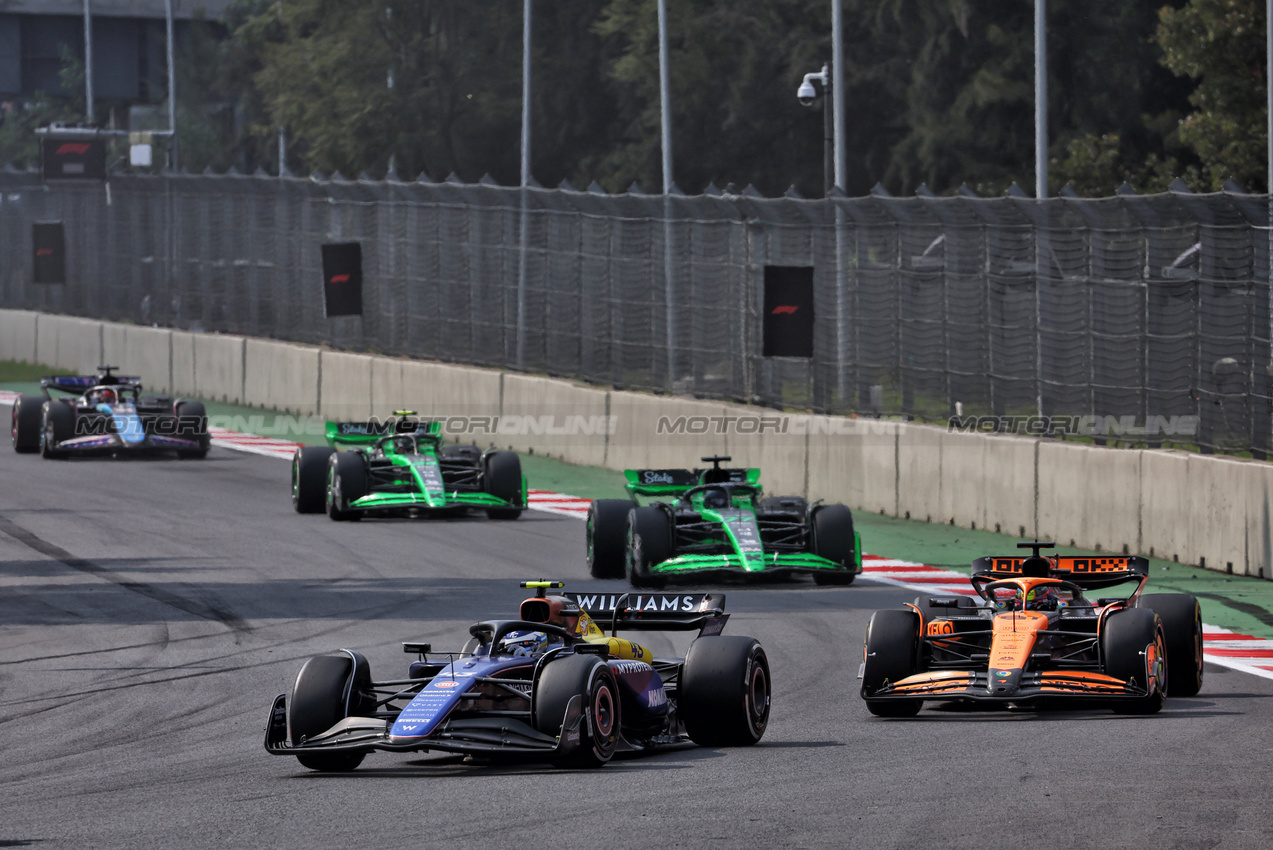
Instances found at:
x=367 y=432
x=665 y=483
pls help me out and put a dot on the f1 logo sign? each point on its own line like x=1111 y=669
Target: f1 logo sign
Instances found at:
x=789 y=309
x=342 y=279
x=77 y=148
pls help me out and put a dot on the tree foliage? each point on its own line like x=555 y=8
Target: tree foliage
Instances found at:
x=1220 y=44
x=937 y=92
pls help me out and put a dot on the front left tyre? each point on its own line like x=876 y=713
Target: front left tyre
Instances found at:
x=328 y=689
x=28 y=418
x=1182 y=636
x=1133 y=649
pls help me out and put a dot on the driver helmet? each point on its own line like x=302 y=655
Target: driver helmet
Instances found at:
x=715 y=498
x=524 y=643
x=404 y=445
x=1042 y=598
x=103 y=395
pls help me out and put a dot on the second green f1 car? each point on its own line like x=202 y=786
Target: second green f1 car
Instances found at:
x=717 y=521
x=399 y=467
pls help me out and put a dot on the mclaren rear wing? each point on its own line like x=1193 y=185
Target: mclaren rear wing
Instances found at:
x=1086 y=572
x=655 y=611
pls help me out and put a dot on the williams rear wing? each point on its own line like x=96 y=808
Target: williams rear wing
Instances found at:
x=655 y=611
x=1086 y=572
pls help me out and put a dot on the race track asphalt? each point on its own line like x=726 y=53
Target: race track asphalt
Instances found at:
x=151 y=610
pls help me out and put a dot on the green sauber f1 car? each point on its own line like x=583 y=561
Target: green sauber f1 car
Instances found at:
x=716 y=522
x=399 y=467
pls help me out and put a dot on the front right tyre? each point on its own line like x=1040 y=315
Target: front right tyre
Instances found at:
x=890 y=654
x=605 y=532
x=28 y=418
x=328 y=689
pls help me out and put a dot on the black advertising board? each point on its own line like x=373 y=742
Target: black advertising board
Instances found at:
x=48 y=252
x=73 y=159
x=342 y=279
x=788 y=327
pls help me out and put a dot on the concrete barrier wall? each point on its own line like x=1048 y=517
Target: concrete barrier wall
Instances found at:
x=345 y=386
x=1193 y=508
x=281 y=376
x=554 y=418
x=218 y=367
x=141 y=351
x=182 y=366
x=1089 y=495
x=17 y=336
x=66 y=343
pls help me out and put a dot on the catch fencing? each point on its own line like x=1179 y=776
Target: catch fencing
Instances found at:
x=1135 y=310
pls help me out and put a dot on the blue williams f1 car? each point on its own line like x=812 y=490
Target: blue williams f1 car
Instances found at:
x=106 y=414
x=551 y=685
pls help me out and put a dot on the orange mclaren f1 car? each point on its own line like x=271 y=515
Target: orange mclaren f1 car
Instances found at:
x=1030 y=637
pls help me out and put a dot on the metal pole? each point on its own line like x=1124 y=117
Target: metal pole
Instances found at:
x=525 y=218
x=1040 y=99
x=172 y=91
x=837 y=90
x=665 y=110
x=282 y=151
x=841 y=178
x=1268 y=90
x=828 y=140
x=88 y=60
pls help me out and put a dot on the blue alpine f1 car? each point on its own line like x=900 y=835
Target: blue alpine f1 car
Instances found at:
x=550 y=685
x=106 y=414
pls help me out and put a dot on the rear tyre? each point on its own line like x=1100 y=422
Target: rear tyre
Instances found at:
x=892 y=648
x=835 y=540
x=58 y=423
x=193 y=421
x=649 y=542
x=309 y=478
x=1132 y=647
x=590 y=678
x=503 y=479
x=346 y=482
x=27 y=421
x=725 y=691
x=1182 y=636
x=328 y=689
x=605 y=530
